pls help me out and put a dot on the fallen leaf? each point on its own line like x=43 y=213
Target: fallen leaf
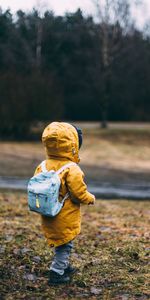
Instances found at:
x=95 y=291
x=30 y=277
x=36 y=259
x=25 y=250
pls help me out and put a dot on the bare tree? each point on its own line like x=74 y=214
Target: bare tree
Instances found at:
x=40 y=8
x=112 y=15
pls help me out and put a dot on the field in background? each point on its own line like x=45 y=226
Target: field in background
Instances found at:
x=112 y=252
x=121 y=150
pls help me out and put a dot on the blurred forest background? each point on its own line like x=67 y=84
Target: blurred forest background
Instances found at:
x=72 y=67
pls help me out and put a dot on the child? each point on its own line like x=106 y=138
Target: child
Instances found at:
x=62 y=142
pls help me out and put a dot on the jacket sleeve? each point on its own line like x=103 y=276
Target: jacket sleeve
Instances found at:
x=77 y=187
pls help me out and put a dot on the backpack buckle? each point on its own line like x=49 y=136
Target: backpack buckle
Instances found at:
x=37 y=202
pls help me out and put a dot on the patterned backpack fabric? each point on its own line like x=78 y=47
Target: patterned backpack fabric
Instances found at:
x=43 y=191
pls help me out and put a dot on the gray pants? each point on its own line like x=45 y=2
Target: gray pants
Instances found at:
x=61 y=258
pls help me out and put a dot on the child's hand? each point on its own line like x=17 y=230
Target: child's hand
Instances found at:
x=92 y=203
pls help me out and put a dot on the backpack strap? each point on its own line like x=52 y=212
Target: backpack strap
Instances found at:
x=43 y=166
x=65 y=167
x=60 y=171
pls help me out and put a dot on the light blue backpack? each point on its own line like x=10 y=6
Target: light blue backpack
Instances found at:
x=43 y=191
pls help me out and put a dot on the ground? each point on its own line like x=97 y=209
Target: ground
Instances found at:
x=112 y=252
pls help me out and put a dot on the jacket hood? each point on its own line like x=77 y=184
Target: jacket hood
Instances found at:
x=61 y=141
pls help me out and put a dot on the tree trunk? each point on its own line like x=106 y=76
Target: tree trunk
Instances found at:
x=106 y=66
x=39 y=44
x=104 y=122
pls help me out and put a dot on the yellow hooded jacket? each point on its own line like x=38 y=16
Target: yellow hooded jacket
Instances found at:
x=61 y=144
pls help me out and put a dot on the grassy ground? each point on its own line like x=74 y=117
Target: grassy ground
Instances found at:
x=112 y=253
